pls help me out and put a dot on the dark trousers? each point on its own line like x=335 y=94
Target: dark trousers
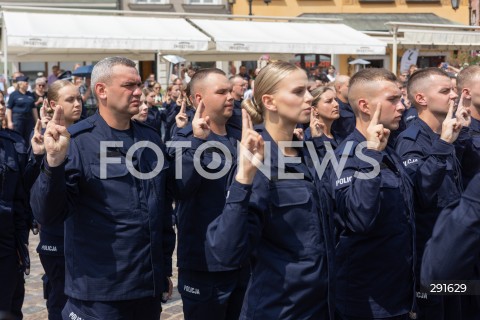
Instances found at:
x=212 y=295
x=12 y=288
x=23 y=124
x=439 y=308
x=144 y=308
x=402 y=317
x=54 y=284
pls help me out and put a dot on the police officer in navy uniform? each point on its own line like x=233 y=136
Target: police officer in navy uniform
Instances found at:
x=118 y=228
x=467 y=85
x=453 y=251
x=373 y=195
x=468 y=81
x=185 y=114
x=21 y=111
x=209 y=289
x=51 y=245
x=171 y=110
x=428 y=154
x=280 y=221
x=238 y=89
x=14 y=220
x=154 y=118
x=344 y=125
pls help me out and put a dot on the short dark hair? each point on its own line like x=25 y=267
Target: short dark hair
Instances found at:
x=420 y=76
x=466 y=75
x=200 y=75
x=372 y=74
x=366 y=76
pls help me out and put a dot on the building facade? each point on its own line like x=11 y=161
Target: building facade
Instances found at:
x=370 y=16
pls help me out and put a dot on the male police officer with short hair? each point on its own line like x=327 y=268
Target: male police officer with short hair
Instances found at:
x=118 y=227
x=428 y=153
x=209 y=289
x=375 y=252
x=468 y=82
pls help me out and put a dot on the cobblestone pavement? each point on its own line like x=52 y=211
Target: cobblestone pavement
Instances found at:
x=34 y=305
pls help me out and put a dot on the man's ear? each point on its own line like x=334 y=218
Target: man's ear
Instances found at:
x=364 y=106
x=101 y=90
x=269 y=102
x=421 y=99
x=197 y=97
x=466 y=93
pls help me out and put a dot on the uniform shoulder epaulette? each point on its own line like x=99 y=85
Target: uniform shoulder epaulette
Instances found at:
x=342 y=149
x=411 y=133
x=12 y=135
x=145 y=125
x=185 y=132
x=16 y=138
x=81 y=126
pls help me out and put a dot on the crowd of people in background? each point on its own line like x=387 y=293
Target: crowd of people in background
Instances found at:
x=345 y=244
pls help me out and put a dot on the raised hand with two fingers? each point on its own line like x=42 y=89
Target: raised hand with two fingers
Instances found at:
x=181 y=119
x=56 y=139
x=201 y=124
x=37 y=143
x=252 y=148
x=316 y=126
x=451 y=126
x=463 y=113
x=377 y=134
x=46 y=113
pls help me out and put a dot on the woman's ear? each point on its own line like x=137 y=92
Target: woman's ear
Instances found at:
x=52 y=104
x=269 y=102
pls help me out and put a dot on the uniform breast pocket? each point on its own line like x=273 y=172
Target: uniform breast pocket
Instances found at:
x=448 y=191
x=9 y=175
x=294 y=219
x=111 y=184
x=476 y=143
x=392 y=198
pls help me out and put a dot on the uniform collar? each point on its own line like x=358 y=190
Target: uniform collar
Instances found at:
x=426 y=129
x=274 y=147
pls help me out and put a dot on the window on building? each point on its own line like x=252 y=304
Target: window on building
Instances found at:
x=203 y=1
x=151 y=1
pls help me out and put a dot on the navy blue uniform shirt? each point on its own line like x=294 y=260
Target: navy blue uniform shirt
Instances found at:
x=435 y=171
x=375 y=253
x=471 y=154
x=118 y=231
x=344 y=125
x=171 y=110
x=190 y=115
x=200 y=200
x=284 y=224
x=453 y=251
x=154 y=118
x=21 y=103
x=235 y=121
x=14 y=215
